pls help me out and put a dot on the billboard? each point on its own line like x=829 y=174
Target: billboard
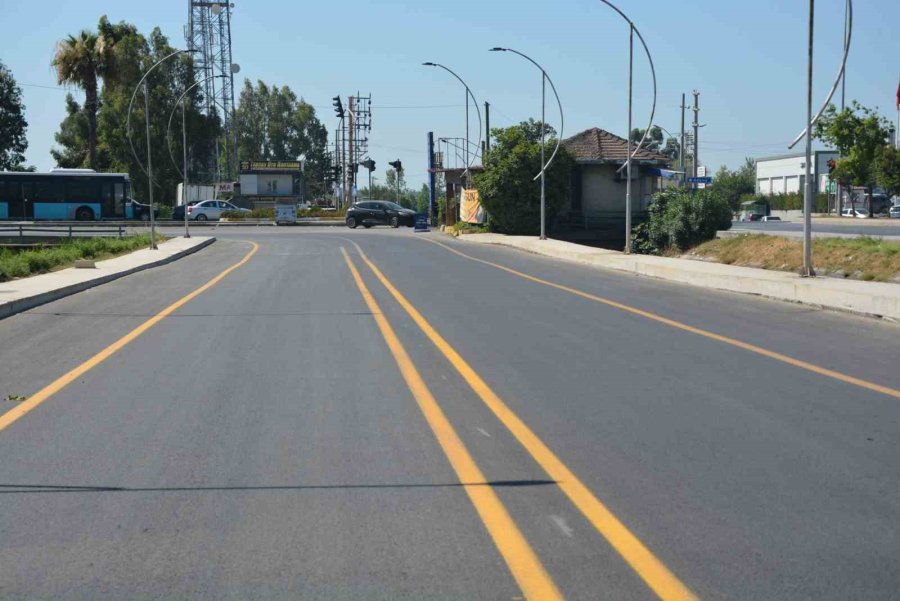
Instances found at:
x=470 y=209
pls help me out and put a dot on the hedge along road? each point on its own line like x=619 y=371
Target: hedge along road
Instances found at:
x=261 y=439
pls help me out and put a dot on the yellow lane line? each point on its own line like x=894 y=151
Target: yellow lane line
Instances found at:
x=49 y=390
x=847 y=379
x=526 y=568
x=657 y=576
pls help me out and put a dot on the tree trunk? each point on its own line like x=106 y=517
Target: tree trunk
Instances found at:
x=91 y=106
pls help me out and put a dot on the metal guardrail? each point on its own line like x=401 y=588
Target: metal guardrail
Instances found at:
x=67 y=231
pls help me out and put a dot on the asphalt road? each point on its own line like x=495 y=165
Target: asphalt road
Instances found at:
x=267 y=439
x=844 y=229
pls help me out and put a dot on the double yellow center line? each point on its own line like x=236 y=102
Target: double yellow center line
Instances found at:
x=653 y=572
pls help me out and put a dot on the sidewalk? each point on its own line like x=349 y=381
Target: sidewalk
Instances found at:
x=868 y=298
x=24 y=294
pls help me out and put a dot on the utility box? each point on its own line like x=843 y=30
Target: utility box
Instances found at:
x=285 y=214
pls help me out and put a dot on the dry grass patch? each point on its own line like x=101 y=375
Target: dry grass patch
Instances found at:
x=862 y=258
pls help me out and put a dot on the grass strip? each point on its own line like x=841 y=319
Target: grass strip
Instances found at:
x=24 y=263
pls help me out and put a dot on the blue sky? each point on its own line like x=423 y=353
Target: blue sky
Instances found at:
x=746 y=58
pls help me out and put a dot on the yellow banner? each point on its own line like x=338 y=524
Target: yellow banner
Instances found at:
x=470 y=210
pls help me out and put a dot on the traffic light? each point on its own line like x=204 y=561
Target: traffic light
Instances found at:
x=336 y=173
x=368 y=164
x=831 y=165
x=397 y=165
x=338 y=106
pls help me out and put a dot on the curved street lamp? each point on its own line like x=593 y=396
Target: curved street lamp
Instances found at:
x=182 y=101
x=475 y=102
x=544 y=79
x=149 y=170
x=633 y=30
x=809 y=185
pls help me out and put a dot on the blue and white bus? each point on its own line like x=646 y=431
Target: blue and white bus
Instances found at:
x=67 y=195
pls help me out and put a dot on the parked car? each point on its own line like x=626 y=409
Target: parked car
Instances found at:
x=379 y=212
x=895 y=212
x=850 y=212
x=141 y=211
x=211 y=210
x=771 y=218
x=754 y=217
x=178 y=212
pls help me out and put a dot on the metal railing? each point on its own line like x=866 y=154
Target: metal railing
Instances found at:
x=63 y=231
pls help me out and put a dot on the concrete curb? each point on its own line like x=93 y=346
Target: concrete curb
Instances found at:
x=19 y=305
x=873 y=299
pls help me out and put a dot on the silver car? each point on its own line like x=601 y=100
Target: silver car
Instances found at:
x=895 y=212
x=211 y=210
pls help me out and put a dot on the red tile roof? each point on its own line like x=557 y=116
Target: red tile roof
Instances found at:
x=596 y=144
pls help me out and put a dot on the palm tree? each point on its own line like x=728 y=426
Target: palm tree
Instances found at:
x=82 y=61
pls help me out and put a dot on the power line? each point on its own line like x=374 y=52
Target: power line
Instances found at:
x=34 y=85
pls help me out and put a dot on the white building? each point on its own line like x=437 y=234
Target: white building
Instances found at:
x=786 y=174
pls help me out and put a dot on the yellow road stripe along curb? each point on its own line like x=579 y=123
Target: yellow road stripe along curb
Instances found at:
x=525 y=566
x=657 y=576
x=847 y=379
x=47 y=391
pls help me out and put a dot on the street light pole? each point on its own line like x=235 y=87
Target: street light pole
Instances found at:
x=182 y=102
x=632 y=31
x=478 y=111
x=545 y=78
x=149 y=165
x=184 y=187
x=628 y=164
x=808 y=196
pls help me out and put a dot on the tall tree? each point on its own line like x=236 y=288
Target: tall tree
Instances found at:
x=13 y=125
x=84 y=60
x=887 y=169
x=274 y=125
x=72 y=137
x=654 y=138
x=731 y=185
x=858 y=133
x=507 y=187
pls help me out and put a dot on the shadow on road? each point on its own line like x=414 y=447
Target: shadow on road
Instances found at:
x=50 y=488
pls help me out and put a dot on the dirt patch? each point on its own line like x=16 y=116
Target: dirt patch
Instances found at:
x=863 y=258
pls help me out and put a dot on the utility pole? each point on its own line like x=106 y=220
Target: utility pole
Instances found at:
x=351 y=159
x=810 y=185
x=487 y=128
x=431 y=178
x=681 y=149
x=150 y=166
x=696 y=125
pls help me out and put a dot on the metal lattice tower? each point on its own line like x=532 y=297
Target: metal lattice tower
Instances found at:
x=208 y=36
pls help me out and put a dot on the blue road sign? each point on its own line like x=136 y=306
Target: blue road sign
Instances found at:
x=699 y=180
x=421 y=222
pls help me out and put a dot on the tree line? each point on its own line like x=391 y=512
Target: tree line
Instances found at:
x=272 y=122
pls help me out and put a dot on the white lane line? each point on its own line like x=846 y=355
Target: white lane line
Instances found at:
x=562 y=525
x=483 y=431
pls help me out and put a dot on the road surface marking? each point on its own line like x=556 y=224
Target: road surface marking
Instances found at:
x=847 y=379
x=657 y=576
x=50 y=389
x=483 y=431
x=562 y=525
x=525 y=566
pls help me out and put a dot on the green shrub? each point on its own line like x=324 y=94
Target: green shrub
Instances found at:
x=678 y=219
x=41 y=260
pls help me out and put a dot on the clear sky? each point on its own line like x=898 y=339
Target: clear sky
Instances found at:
x=748 y=59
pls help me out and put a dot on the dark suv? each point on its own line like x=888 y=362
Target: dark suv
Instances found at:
x=379 y=212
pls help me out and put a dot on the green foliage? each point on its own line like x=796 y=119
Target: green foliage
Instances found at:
x=275 y=125
x=254 y=214
x=41 y=260
x=508 y=191
x=13 y=125
x=792 y=201
x=887 y=169
x=733 y=185
x=388 y=191
x=118 y=54
x=679 y=219
x=858 y=133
